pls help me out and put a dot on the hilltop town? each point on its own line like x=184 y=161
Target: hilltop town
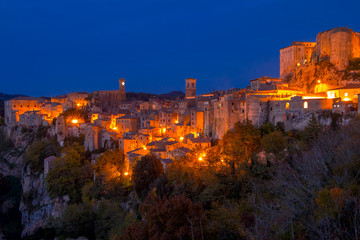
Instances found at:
x=314 y=77
x=223 y=153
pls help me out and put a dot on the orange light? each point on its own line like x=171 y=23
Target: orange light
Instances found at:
x=164 y=130
x=319 y=81
x=74 y=121
x=346 y=99
x=176 y=121
x=181 y=138
x=200 y=159
x=78 y=104
x=126 y=173
x=114 y=128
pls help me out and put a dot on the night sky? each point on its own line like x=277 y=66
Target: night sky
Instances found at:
x=50 y=47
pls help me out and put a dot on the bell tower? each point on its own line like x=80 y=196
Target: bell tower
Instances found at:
x=190 y=88
x=122 y=88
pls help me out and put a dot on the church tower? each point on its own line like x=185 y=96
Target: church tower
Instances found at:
x=190 y=88
x=122 y=88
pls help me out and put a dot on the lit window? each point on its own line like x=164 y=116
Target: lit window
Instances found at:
x=305 y=104
x=287 y=106
x=346 y=94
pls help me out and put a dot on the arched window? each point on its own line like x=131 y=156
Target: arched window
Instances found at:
x=306 y=105
x=287 y=106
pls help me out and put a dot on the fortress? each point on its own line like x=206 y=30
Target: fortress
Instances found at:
x=338 y=45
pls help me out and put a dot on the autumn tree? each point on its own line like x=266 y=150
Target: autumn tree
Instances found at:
x=146 y=170
x=240 y=143
x=112 y=165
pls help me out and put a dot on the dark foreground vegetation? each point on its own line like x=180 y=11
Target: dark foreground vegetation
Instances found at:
x=254 y=184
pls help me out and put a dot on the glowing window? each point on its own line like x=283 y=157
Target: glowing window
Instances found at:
x=287 y=106
x=305 y=104
x=346 y=94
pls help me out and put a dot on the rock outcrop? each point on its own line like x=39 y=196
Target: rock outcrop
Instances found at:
x=36 y=206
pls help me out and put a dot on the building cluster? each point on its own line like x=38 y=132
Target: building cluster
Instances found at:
x=172 y=128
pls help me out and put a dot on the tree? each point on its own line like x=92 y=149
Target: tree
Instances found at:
x=312 y=130
x=240 y=143
x=111 y=165
x=274 y=142
x=70 y=173
x=38 y=151
x=77 y=220
x=145 y=172
x=174 y=218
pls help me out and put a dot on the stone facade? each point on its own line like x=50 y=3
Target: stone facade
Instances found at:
x=338 y=45
x=190 y=89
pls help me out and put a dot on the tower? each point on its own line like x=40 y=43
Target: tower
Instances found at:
x=190 y=88
x=122 y=88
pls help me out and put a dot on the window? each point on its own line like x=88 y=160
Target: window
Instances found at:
x=306 y=105
x=346 y=94
x=287 y=106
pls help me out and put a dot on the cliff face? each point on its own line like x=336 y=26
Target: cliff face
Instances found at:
x=36 y=207
x=318 y=77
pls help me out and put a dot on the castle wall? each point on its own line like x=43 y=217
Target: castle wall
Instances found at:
x=338 y=45
x=257 y=109
x=286 y=111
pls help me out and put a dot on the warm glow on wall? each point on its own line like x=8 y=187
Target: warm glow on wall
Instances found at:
x=306 y=105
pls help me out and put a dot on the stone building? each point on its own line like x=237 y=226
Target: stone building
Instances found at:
x=294 y=55
x=286 y=111
x=31 y=119
x=337 y=45
x=92 y=136
x=167 y=117
x=18 y=106
x=190 y=88
x=109 y=100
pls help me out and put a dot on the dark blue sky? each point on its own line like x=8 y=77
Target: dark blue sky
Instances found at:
x=50 y=47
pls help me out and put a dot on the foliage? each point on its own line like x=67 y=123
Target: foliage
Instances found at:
x=38 y=151
x=266 y=128
x=111 y=165
x=77 y=220
x=274 y=142
x=312 y=130
x=354 y=64
x=145 y=172
x=70 y=173
x=173 y=218
x=240 y=143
